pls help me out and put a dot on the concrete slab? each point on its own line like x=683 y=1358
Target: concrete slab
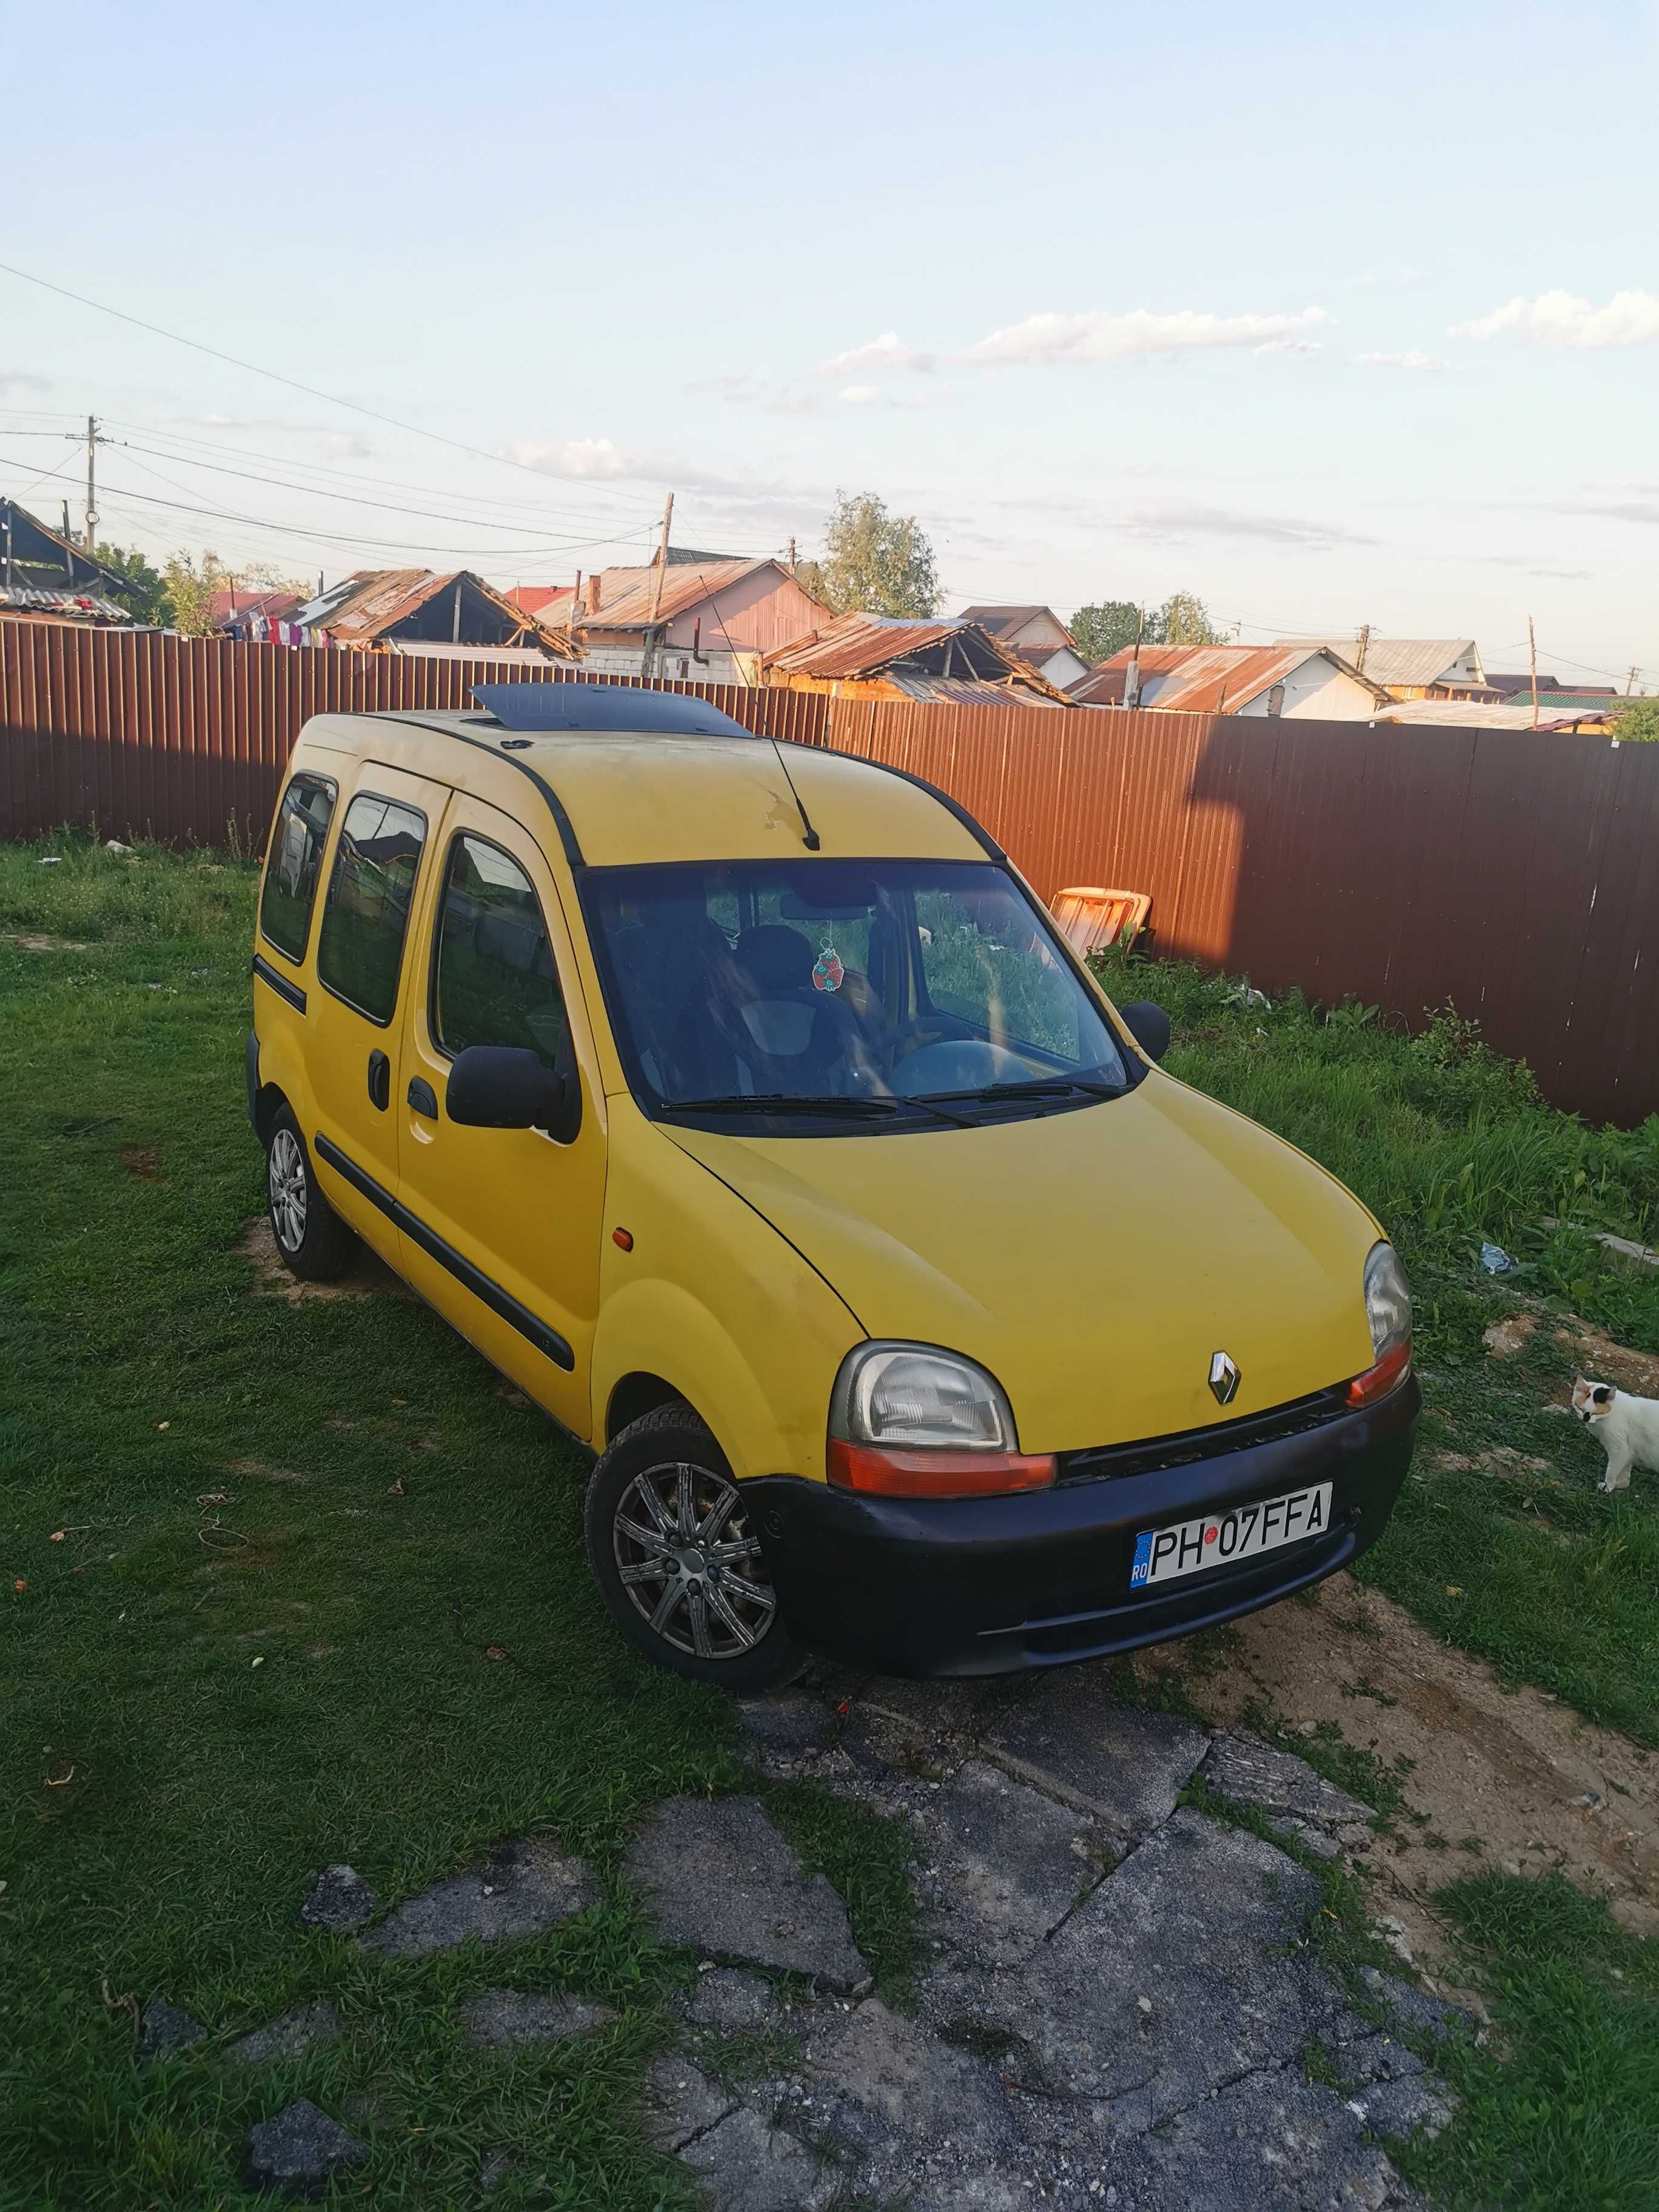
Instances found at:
x=720 y=1877
x=299 y=2151
x=304 y=2029
x=1123 y=1763
x=510 y=2019
x=519 y=1889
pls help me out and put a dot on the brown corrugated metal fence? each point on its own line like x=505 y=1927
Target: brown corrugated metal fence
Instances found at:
x=1514 y=875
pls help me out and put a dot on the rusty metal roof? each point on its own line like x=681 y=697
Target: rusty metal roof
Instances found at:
x=1402 y=660
x=1000 y=620
x=625 y=594
x=373 y=602
x=859 y=645
x=1208 y=679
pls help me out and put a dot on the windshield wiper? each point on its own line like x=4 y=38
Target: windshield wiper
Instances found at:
x=1042 y=1086
x=781 y=1102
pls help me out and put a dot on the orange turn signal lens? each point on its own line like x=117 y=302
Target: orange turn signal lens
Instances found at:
x=1376 y=1382
x=930 y=1473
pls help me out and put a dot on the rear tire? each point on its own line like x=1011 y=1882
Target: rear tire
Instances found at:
x=674 y=1550
x=312 y=1240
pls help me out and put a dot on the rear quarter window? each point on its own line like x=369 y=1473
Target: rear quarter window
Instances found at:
x=295 y=863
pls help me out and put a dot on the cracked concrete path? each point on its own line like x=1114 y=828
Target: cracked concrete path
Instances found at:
x=1123 y=2009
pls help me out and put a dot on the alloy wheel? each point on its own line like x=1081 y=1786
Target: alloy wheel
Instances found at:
x=691 y=1563
x=286 y=1176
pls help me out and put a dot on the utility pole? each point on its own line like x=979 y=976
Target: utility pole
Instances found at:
x=1532 y=655
x=1131 y=673
x=576 y=608
x=1629 y=680
x=791 y=556
x=649 y=658
x=92 y=494
x=1362 y=646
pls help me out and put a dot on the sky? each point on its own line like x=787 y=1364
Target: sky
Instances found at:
x=1331 y=316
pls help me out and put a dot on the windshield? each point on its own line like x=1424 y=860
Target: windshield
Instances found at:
x=866 y=988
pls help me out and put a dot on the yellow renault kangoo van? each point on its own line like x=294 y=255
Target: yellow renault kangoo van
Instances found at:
x=741 y=1102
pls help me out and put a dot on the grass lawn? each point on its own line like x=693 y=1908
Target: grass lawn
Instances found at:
x=286 y=1584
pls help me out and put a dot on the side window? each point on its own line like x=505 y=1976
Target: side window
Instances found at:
x=493 y=977
x=293 y=863
x=360 y=947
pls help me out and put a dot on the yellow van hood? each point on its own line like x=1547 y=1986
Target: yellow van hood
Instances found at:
x=1094 y=1260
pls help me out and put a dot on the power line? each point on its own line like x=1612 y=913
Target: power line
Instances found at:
x=347 y=537
x=275 y=376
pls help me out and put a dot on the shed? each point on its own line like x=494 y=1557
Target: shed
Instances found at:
x=1309 y=681
x=377 y=606
x=46 y=576
x=705 y=616
x=867 y=656
x=1037 y=635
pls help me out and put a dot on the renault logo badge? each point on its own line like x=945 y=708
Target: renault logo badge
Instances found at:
x=1224 y=1379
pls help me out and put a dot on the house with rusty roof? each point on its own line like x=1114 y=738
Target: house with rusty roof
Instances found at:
x=414 y=608
x=1036 y=636
x=953 y=662
x=1307 y=680
x=1411 y=667
x=45 y=574
x=706 y=617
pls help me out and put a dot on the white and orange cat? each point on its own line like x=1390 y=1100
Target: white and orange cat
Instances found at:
x=1626 y=1428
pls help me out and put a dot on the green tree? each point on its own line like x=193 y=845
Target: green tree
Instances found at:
x=880 y=563
x=1108 y=625
x=1105 y=628
x=192 y=583
x=1185 y=620
x=1639 y=719
x=150 y=602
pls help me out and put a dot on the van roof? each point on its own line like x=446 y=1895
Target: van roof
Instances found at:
x=622 y=798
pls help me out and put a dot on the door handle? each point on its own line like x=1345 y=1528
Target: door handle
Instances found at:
x=422 y=1098
x=379 y=1080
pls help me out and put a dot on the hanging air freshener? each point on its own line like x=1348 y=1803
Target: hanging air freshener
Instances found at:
x=828 y=974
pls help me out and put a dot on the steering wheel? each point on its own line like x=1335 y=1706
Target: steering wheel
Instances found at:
x=922 y=1030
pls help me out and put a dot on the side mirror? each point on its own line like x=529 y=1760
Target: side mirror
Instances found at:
x=505 y=1086
x=1149 y=1025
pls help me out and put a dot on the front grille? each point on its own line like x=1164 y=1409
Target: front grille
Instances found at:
x=1105 y=1462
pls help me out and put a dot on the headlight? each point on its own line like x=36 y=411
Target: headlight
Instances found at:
x=907 y=1394
x=1387 y=1301
x=1389 y=1311
x=909 y=1420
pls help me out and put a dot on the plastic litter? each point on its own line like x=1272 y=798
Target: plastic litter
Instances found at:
x=1243 y=994
x=1496 y=1260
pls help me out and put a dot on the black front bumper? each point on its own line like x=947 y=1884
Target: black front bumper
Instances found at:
x=995 y=1585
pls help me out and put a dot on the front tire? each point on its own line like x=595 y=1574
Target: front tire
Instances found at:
x=674 y=1550
x=312 y=1240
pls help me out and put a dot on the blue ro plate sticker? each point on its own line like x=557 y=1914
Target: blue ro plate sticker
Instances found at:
x=1216 y=1539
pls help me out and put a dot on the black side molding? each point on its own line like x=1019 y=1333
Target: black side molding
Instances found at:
x=266 y=974
x=546 y=1340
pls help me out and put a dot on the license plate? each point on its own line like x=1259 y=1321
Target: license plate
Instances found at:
x=1163 y=1555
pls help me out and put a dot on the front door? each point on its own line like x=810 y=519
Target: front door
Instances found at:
x=501 y=1227
x=389 y=826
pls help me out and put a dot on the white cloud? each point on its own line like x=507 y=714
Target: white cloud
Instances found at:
x=1175 y=523
x=1412 y=360
x=887 y=352
x=1561 y=319
x=582 y=458
x=1040 y=340
x=858 y=395
x=1291 y=345
x=19 y=379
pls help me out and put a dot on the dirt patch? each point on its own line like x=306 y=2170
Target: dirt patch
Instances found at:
x=369 y=1277
x=260 y=1470
x=1507 y=1337
x=143 y=1161
x=33 y=942
x=1502 y=1458
x=1604 y=1361
x=1535 y=1785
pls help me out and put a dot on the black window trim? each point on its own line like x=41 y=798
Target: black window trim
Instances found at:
x=331 y=785
x=387 y=799
x=478 y=837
